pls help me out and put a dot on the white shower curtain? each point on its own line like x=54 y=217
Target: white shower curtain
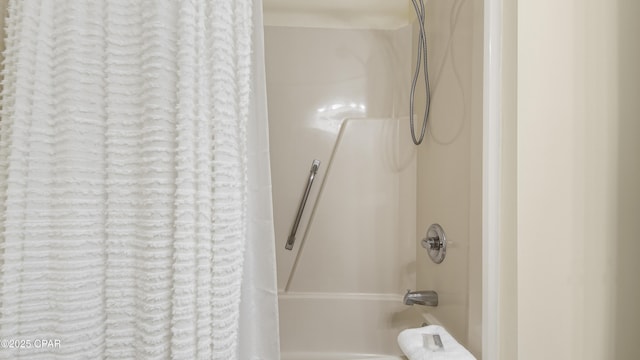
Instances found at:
x=133 y=175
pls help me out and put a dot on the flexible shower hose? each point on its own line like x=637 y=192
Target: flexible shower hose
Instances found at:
x=421 y=57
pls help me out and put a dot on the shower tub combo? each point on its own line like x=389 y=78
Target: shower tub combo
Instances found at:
x=338 y=84
x=340 y=148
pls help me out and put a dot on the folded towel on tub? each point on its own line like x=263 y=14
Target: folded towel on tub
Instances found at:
x=412 y=343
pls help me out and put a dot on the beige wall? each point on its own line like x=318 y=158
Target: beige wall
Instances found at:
x=578 y=179
x=508 y=246
x=627 y=286
x=450 y=166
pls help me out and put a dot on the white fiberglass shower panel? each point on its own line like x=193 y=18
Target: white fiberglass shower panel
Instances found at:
x=341 y=96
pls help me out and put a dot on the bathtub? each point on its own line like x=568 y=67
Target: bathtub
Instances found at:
x=338 y=326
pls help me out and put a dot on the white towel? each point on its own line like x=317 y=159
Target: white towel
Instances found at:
x=411 y=343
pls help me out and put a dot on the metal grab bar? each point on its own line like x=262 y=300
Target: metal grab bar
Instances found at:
x=294 y=229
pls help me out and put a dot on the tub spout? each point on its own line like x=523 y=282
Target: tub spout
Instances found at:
x=423 y=297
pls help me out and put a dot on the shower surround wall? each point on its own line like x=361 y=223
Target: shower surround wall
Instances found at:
x=341 y=96
x=450 y=166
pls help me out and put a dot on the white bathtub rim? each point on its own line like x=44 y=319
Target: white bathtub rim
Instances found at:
x=337 y=356
x=292 y=295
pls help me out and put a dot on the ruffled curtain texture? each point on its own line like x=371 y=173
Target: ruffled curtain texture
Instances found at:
x=133 y=175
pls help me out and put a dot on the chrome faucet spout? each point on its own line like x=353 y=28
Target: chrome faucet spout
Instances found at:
x=423 y=297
